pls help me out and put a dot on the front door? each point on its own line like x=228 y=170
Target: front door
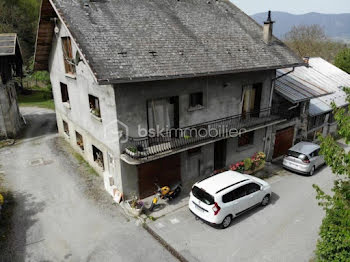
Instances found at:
x=219 y=154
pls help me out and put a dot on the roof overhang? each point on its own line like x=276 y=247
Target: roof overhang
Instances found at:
x=44 y=36
x=159 y=78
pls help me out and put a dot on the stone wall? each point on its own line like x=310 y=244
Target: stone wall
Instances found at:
x=10 y=118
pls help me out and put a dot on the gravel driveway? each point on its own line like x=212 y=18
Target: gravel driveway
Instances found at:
x=62 y=212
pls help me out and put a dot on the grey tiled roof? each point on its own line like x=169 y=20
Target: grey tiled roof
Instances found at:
x=158 y=39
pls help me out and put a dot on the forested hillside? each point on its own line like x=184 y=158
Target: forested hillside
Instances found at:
x=21 y=17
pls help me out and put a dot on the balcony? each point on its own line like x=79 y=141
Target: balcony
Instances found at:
x=146 y=148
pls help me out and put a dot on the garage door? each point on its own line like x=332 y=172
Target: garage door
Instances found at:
x=164 y=172
x=283 y=141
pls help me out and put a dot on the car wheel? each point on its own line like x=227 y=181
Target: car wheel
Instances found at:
x=312 y=171
x=226 y=222
x=266 y=200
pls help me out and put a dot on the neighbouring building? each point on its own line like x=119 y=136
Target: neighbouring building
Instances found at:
x=321 y=118
x=10 y=66
x=308 y=93
x=140 y=85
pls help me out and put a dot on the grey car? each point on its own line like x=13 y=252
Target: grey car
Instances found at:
x=303 y=158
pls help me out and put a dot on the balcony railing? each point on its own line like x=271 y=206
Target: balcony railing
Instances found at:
x=173 y=140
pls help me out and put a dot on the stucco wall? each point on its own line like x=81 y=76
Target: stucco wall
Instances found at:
x=97 y=132
x=221 y=94
x=235 y=153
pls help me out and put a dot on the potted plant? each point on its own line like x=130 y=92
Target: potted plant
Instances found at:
x=135 y=206
x=238 y=167
x=132 y=151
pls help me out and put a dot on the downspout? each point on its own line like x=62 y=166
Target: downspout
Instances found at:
x=295 y=106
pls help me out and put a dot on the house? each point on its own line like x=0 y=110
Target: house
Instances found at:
x=308 y=92
x=160 y=91
x=321 y=118
x=10 y=67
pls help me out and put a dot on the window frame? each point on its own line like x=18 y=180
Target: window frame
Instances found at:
x=193 y=103
x=95 y=110
x=96 y=150
x=250 y=141
x=66 y=127
x=64 y=86
x=67 y=49
x=77 y=135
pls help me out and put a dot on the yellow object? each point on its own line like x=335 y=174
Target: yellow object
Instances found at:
x=1 y=200
x=155 y=200
x=165 y=190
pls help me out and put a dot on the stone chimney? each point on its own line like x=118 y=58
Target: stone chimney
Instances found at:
x=306 y=60
x=268 y=29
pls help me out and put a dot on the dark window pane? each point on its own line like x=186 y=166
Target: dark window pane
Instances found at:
x=252 y=188
x=64 y=93
x=246 y=139
x=203 y=196
x=196 y=99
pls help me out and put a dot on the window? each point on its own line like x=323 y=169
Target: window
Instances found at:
x=80 y=141
x=66 y=128
x=317 y=121
x=94 y=103
x=315 y=153
x=252 y=188
x=64 y=93
x=251 y=100
x=68 y=55
x=234 y=195
x=297 y=155
x=203 y=196
x=196 y=100
x=246 y=139
x=98 y=156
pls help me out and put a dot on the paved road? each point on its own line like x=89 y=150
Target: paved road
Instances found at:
x=54 y=219
x=286 y=230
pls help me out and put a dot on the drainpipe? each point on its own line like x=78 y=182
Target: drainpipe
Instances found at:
x=295 y=106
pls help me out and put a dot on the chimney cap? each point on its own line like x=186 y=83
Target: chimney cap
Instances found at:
x=269 y=19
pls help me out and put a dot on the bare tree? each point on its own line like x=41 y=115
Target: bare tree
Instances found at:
x=312 y=41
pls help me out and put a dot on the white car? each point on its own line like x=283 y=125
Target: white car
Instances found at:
x=220 y=198
x=303 y=158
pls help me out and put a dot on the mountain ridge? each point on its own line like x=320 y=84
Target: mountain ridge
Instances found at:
x=336 y=26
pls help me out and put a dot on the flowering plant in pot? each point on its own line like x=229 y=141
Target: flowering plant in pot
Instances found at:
x=238 y=167
x=135 y=206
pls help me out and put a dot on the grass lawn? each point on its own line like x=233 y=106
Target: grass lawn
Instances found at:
x=40 y=97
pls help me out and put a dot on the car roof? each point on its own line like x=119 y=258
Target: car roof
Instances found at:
x=213 y=185
x=305 y=147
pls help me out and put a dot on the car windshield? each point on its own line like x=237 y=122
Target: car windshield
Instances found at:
x=297 y=155
x=203 y=196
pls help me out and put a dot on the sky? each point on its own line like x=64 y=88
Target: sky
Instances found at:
x=294 y=6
